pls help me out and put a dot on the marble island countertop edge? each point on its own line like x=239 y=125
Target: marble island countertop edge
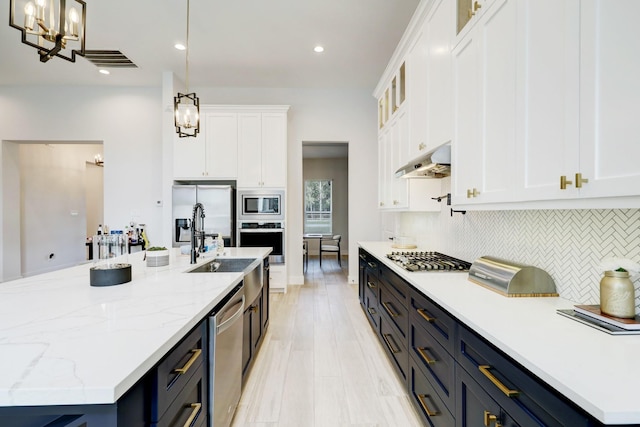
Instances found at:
x=63 y=342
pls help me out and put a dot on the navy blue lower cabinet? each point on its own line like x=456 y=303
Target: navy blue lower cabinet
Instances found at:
x=395 y=347
x=519 y=393
x=435 y=362
x=432 y=409
x=474 y=406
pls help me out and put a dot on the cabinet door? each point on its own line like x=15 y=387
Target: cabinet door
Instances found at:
x=465 y=149
x=399 y=136
x=474 y=406
x=274 y=150
x=548 y=94
x=438 y=98
x=249 y=149
x=418 y=97
x=610 y=90
x=256 y=323
x=384 y=160
x=221 y=150
x=484 y=105
x=247 y=348
x=188 y=155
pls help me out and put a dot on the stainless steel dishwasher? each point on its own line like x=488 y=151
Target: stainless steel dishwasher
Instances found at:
x=225 y=365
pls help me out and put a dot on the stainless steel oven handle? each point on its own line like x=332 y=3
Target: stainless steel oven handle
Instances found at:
x=227 y=323
x=262 y=230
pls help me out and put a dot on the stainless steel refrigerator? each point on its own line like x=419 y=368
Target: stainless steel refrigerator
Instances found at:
x=219 y=211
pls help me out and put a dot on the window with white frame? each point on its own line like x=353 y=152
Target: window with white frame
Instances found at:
x=318 y=206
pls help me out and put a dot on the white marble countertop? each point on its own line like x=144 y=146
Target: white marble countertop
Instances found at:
x=597 y=371
x=64 y=342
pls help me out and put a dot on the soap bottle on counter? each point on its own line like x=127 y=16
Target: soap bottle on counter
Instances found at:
x=220 y=245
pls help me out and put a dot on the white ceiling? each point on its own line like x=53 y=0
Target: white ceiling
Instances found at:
x=233 y=43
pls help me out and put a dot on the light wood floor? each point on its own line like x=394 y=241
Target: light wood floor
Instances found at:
x=321 y=363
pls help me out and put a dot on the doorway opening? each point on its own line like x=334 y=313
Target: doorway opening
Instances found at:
x=325 y=174
x=52 y=201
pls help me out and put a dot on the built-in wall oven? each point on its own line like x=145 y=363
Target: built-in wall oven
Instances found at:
x=261 y=221
x=263 y=234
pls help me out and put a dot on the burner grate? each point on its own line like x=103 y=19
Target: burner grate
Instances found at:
x=428 y=261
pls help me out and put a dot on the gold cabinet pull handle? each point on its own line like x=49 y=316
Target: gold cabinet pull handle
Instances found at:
x=372 y=264
x=194 y=413
x=564 y=182
x=475 y=192
x=421 y=146
x=580 y=180
x=470 y=13
x=469 y=194
x=196 y=352
x=503 y=388
x=371 y=285
x=429 y=412
x=423 y=356
x=391 y=312
x=425 y=316
x=387 y=339
x=490 y=418
x=476 y=6
x=371 y=310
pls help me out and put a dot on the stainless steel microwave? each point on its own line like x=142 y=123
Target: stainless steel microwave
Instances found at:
x=259 y=205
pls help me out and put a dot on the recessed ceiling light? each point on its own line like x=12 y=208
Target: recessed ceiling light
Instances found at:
x=179 y=46
x=318 y=49
x=103 y=71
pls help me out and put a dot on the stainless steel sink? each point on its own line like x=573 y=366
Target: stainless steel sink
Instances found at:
x=224 y=265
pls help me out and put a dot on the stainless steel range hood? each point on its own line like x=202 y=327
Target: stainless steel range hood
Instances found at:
x=433 y=164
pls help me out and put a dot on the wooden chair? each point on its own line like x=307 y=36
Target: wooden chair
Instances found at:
x=331 y=244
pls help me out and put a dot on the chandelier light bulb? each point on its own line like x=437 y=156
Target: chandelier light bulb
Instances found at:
x=40 y=5
x=74 y=19
x=29 y=16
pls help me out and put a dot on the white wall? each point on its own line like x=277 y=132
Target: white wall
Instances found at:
x=53 y=189
x=337 y=171
x=128 y=122
x=135 y=126
x=322 y=115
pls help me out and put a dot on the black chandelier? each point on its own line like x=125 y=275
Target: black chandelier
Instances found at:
x=51 y=27
x=186 y=107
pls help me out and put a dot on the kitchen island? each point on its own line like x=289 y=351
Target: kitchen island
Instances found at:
x=595 y=371
x=64 y=342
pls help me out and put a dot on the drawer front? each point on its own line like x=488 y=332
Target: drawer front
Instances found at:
x=396 y=285
x=175 y=370
x=525 y=398
x=190 y=407
x=371 y=292
x=474 y=404
x=427 y=401
x=433 y=319
x=435 y=362
x=394 y=347
x=395 y=310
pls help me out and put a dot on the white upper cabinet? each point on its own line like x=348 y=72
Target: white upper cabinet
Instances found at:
x=548 y=98
x=468 y=13
x=484 y=75
x=236 y=142
x=439 y=102
x=429 y=82
x=262 y=149
x=213 y=154
x=609 y=95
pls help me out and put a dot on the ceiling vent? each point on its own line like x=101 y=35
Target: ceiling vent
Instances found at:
x=108 y=59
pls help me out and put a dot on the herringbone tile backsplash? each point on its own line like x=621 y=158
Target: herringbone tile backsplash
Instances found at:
x=568 y=244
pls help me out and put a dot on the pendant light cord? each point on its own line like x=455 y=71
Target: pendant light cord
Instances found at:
x=187 y=77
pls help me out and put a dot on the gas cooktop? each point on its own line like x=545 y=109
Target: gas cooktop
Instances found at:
x=428 y=261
